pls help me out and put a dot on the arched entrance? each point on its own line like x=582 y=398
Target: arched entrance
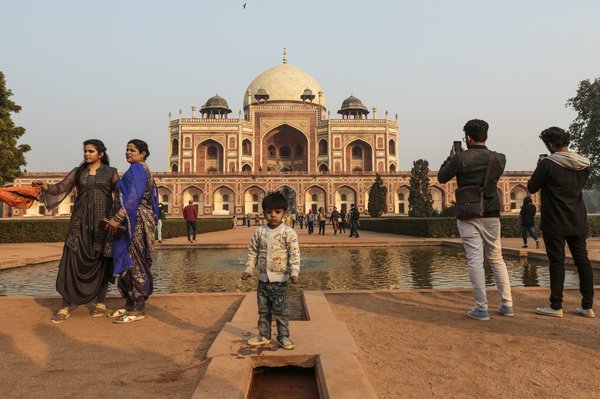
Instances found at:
x=314 y=198
x=344 y=196
x=209 y=157
x=359 y=157
x=285 y=149
x=253 y=199
x=401 y=202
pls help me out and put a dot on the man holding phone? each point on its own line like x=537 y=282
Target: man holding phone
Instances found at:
x=561 y=177
x=480 y=236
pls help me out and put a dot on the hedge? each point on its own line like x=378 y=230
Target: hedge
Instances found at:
x=55 y=230
x=444 y=227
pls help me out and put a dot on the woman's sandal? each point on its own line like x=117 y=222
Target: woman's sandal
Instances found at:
x=99 y=311
x=117 y=313
x=129 y=318
x=60 y=316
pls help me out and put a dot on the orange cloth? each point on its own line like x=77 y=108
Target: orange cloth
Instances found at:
x=19 y=197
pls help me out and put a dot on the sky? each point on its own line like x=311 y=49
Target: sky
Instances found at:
x=113 y=70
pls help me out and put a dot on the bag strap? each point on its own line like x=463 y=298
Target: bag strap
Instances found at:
x=488 y=169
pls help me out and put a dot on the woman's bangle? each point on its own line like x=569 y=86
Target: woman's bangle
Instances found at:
x=119 y=217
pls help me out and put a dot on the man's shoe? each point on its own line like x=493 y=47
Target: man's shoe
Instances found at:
x=258 y=341
x=524 y=246
x=506 y=311
x=478 y=314
x=548 y=311
x=286 y=343
x=537 y=245
x=585 y=312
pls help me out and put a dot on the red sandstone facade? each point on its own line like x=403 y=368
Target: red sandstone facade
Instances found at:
x=285 y=139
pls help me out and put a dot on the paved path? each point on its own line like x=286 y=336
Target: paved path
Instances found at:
x=13 y=255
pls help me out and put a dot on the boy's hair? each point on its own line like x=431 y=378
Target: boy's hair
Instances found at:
x=555 y=135
x=275 y=200
x=477 y=129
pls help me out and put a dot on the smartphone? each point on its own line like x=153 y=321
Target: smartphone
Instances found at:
x=457 y=146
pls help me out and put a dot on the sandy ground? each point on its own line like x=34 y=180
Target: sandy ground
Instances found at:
x=163 y=356
x=421 y=345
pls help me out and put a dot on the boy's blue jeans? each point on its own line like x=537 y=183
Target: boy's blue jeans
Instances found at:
x=272 y=302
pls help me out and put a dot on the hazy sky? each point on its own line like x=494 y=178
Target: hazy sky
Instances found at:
x=114 y=69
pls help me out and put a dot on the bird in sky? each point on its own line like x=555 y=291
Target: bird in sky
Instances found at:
x=244 y=6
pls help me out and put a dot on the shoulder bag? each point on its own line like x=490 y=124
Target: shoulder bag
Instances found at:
x=470 y=199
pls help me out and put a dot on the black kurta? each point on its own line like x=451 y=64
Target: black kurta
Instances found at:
x=85 y=265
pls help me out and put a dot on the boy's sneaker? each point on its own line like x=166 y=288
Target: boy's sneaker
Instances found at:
x=506 y=311
x=548 y=311
x=585 y=312
x=478 y=314
x=286 y=343
x=258 y=341
x=537 y=245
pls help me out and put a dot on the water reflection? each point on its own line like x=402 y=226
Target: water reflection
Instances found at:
x=197 y=270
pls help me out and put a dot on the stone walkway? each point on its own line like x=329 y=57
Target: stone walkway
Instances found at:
x=13 y=255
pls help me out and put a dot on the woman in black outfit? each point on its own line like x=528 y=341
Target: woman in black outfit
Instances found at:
x=86 y=264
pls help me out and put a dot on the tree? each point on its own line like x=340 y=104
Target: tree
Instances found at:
x=585 y=129
x=377 y=197
x=420 y=203
x=11 y=154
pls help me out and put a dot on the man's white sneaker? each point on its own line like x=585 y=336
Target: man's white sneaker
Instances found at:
x=585 y=312
x=548 y=311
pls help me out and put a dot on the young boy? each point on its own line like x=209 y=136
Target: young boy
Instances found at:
x=274 y=251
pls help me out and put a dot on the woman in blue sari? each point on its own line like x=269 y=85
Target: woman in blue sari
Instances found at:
x=132 y=252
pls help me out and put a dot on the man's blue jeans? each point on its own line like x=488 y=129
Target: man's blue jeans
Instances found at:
x=191 y=225
x=530 y=230
x=272 y=302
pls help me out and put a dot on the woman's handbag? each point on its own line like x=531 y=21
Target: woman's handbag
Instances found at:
x=470 y=199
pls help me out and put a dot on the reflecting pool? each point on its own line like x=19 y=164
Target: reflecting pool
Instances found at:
x=206 y=270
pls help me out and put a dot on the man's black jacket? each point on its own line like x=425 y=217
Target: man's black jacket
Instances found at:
x=469 y=167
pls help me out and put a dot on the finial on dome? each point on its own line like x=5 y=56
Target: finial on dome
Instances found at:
x=284 y=56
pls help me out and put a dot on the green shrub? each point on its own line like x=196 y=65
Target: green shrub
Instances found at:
x=444 y=227
x=55 y=230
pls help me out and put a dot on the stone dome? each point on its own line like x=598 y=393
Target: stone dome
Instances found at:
x=284 y=82
x=216 y=102
x=353 y=104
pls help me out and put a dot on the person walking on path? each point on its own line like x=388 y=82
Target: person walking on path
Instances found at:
x=300 y=218
x=321 y=218
x=310 y=221
x=159 y=223
x=86 y=263
x=481 y=235
x=353 y=216
x=335 y=219
x=275 y=253
x=190 y=214
x=561 y=177
x=133 y=251
x=342 y=222
x=527 y=222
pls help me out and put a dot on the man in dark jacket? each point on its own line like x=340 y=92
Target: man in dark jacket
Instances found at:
x=480 y=236
x=527 y=222
x=561 y=178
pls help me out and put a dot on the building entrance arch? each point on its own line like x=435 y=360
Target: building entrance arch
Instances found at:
x=277 y=154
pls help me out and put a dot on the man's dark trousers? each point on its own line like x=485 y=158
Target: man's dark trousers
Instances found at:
x=555 y=249
x=190 y=225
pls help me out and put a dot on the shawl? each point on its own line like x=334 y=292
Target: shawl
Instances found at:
x=132 y=188
x=19 y=197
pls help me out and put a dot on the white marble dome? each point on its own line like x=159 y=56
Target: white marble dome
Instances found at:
x=284 y=82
